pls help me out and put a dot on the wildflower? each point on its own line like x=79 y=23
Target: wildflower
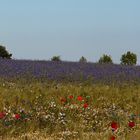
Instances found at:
x=114 y=126
x=63 y=100
x=17 y=116
x=85 y=105
x=71 y=97
x=112 y=138
x=131 y=124
x=80 y=98
x=2 y=115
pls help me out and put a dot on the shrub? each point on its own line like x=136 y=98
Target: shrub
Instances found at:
x=129 y=58
x=105 y=59
x=83 y=59
x=56 y=58
x=4 y=53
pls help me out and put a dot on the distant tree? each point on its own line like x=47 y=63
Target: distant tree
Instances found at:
x=56 y=58
x=4 y=53
x=105 y=59
x=129 y=59
x=83 y=59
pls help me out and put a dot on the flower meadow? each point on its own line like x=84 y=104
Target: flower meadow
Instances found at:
x=31 y=110
x=44 y=100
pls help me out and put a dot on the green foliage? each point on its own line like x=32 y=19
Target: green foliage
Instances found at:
x=129 y=58
x=56 y=58
x=105 y=59
x=4 y=53
x=83 y=59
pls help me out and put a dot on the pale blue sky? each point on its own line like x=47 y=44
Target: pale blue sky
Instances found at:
x=40 y=29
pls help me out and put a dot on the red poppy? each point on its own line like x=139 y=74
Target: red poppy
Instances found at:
x=63 y=100
x=131 y=124
x=71 y=97
x=79 y=98
x=85 y=105
x=114 y=126
x=17 y=116
x=112 y=138
x=2 y=115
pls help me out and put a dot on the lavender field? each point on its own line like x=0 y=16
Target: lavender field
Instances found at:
x=70 y=71
x=68 y=101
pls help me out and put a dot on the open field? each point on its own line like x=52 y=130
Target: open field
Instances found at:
x=69 y=71
x=72 y=110
x=69 y=100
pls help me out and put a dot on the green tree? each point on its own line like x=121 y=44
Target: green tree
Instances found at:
x=105 y=59
x=56 y=58
x=4 y=53
x=83 y=59
x=129 y=59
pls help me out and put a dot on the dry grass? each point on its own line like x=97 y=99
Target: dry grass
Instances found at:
x=106 y=104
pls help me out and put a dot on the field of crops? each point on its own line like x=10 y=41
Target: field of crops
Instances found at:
x=68 y=101
x=70 y=71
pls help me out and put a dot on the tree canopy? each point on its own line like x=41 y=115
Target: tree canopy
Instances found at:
x=105 y=59
x=4 y=53
x=129 y=58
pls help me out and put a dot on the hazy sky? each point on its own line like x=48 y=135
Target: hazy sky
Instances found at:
x=40 y=29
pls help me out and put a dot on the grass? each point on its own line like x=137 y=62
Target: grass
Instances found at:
x=47 y=111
